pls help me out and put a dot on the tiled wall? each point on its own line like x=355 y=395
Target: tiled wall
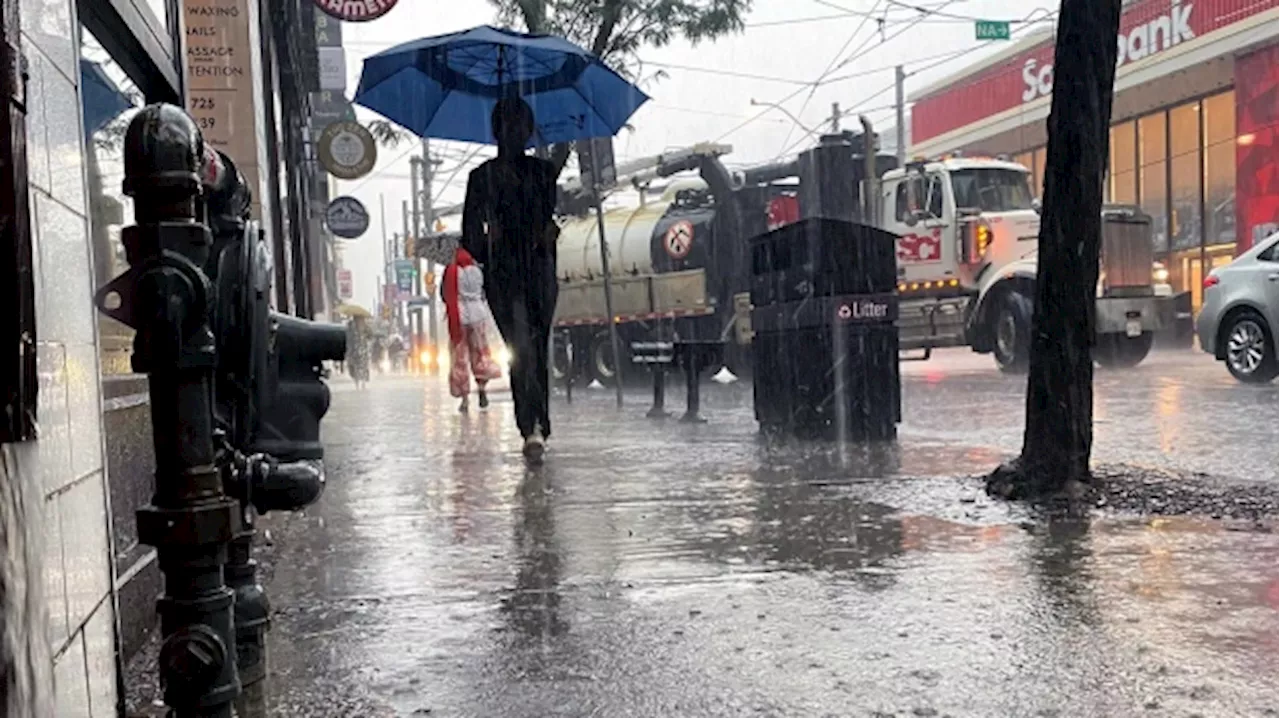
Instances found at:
x=65 y=467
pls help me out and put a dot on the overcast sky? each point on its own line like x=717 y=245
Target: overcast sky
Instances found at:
x=707 y=94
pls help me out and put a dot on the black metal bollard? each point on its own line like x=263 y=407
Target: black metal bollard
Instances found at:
x=659 y=410
x=166 y=296
x=694 y=356
x=693 y=408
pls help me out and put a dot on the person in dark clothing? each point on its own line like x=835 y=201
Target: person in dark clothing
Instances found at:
x=508 y=228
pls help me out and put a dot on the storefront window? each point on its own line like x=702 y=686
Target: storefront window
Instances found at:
x=1153 y=181
x=1184 y=174
x=1124 y=178
x=110 y=100
x=1220 y=168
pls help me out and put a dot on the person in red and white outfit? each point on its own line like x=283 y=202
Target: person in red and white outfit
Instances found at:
x=468 y=315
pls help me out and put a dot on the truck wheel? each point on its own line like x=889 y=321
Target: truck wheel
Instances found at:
x=600 y=360
x=1251 y=352
x=559 y=356
x=1118 y=351
x=1011 y=333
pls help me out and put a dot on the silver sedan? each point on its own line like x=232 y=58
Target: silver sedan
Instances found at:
x=1241 y=311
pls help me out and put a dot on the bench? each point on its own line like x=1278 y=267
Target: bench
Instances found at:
x=691 y=356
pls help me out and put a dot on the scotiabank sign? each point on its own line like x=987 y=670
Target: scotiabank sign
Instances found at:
x=1147 y=29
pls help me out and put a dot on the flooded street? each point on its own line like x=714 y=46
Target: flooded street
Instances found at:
x=658 y=569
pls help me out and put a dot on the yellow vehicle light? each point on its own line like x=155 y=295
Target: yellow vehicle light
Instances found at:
x=915 y=286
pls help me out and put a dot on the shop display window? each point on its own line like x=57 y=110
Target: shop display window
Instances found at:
x=1153 y=177
x=1184 y=176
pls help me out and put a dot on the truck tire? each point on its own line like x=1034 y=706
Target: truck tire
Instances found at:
x=600 y=363
x=1118 y=351
x=1250 y=348
x=1011 y=333
x=559 y=356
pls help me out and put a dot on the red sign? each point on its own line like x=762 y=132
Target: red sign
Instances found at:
x=782 y=211
x=918 y=248
x=679 y=239
x=1257 y=121
x=1147 y=28
x=356 y=10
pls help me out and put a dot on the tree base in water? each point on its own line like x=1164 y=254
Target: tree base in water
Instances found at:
x=1018 y=480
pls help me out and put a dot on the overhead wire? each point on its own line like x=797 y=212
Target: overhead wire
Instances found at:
x=830 y=67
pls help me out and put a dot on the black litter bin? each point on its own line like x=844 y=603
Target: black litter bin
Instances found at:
x=826 y=345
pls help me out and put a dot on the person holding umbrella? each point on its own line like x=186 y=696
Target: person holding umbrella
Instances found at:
x=443 y=87
x=507 y=225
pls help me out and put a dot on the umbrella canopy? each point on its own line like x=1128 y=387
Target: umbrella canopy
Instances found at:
x=445 y=87
x=354 y=311
x=102 y=99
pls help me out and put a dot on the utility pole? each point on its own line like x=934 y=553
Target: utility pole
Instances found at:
x=386 y=256
x=428 y=227
x=415 y=231
x=835 y=118
x=900 y=103
x=414 y=346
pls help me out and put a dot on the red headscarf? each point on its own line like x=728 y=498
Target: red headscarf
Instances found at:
x=461 y=258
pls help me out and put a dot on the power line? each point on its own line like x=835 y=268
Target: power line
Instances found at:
x=730 y=73
x=831 y=66
x=938 y=12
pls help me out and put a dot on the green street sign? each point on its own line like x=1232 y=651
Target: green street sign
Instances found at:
x=991 y=30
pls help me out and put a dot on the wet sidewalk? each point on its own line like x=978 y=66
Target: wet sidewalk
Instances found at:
x=661 y=569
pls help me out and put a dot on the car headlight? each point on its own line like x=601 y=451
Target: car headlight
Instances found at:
x=1159 y=273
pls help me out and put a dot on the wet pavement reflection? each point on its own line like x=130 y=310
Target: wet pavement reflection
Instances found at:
x=658 y=569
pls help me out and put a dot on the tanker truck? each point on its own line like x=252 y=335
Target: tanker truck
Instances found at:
x=967 y=230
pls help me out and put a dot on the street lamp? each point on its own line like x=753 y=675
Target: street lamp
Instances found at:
x=785 y=111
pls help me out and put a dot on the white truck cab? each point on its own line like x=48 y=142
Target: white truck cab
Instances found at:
x=968 y=229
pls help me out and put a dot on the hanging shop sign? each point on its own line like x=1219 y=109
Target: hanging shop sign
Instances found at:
x=333 y=68
x=356 y=10
x=347 y=150
x=345 y=288
x=405 y=273
x=346 y=217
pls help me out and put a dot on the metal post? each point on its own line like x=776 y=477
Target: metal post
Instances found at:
x=167 y=298
x=870 y=183
x=900 y=103
x=659 y=411
x=414 y=348
x=428 y=227
x=608 y=284
x=835 y=118
x=690 y=358
x=415 y=231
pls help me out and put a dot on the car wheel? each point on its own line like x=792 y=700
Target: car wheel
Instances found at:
x=1118 y=351
x=1251 y=352
x=1011 y=333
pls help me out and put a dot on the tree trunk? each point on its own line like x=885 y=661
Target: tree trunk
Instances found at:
x=1059 y=425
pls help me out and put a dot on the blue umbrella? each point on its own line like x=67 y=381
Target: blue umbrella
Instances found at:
x=101 y=97
x=445 y=87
